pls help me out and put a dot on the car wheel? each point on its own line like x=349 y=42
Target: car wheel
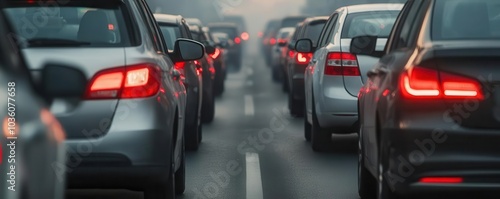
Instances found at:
x=383 y=189
x=307 y=127
x=296 y=107
x=200 y=133
x=208 y=109
x=180 y=174
x=162 y=190
x=275 y=74
x=321 y=138
x=192 y=135
x=366 y=183
x=285 y=84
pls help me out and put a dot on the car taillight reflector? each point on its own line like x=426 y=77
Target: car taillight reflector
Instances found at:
x=441 y=180
x=340 y=63
x=419 y=82
x=137 y=81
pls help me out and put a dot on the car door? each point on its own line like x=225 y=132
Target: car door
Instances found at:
x=323 y=41
x=168 y=77
x=380 y=83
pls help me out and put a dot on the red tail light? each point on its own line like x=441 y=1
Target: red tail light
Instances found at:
x=180 y=65
x=272 y=41
x=339 y=63
x=420 y=82
x=237 y=40
x=303 y=58
x=442 y=180
x=291 y=53
x=245 y=36
x=137 y=81
x=216 y=54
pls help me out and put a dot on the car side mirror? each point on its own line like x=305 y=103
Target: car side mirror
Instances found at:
x=304 y=46
x=187 y=50
x=365 y=45
x=60 y=81
x=209 y=49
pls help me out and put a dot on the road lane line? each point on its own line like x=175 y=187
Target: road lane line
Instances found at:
x=249 y=108
x=254 y=181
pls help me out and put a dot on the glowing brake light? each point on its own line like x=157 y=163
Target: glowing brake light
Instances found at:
x=340 y=63
x=441 y=180
x=272 y=41
x=137 y=81
x=111 y=27
x=303 y=58
x=216 y=54
x=420 y=82
x=237 y=40
x=245 y=36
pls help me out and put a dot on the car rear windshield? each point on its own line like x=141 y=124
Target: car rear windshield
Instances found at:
x=313 y=30
x=170 y=33
x=466 y=20
x=231 y=32
x=88 y=23
x=291 y=22
x=376 y=23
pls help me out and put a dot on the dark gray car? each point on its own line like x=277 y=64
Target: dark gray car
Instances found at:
x=129 y=130
x=429 y=119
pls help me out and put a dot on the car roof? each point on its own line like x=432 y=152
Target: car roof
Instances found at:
x=314 y=19
x=194 y=21
x=223 y=24
x=165 y=18
x=373 y=7
x=287 y=29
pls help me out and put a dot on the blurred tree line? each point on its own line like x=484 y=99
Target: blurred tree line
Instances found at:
x=326 y=7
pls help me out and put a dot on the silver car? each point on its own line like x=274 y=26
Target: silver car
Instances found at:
x=278 y=50
x=334 y=76
x=32 y=140
x=128 y=131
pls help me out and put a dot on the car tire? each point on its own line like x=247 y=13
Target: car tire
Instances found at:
x=321 y=138
x=275 y=74
x=200 y=133
x=384 y=191
x=366 y=182
x=208 y=109
x=219 y=86
x=192 y=135
x=180 y=174
x=285 y=84
x=307 y=127
x=296 y=107
x=163 y=189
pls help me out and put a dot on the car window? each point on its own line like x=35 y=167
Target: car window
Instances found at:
x=403 y=37
x=291 y=22
x=85 y=23
x=466 y=20
x=326 y=33
x=313 y=30
x=369 y=23
x=170 y=33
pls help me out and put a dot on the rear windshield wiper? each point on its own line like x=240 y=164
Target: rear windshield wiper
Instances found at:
x=46 y=42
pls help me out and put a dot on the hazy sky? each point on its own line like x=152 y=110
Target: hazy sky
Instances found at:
x=259 y=12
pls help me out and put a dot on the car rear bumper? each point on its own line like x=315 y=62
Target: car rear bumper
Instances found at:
x=138 y=139
x=339 y=112
x=297 y=81
x=426 y=148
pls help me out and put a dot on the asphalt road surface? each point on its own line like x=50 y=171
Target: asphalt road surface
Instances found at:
x=255 y=150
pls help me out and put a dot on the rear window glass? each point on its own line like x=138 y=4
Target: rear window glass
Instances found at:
x=314 y=30
x=466 y=20
x=76 y=23
x=377 y=23
x=291 y=22
x=231 y=32
x=170 y=33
